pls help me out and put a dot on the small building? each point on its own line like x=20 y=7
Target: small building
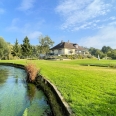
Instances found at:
x=67 y=48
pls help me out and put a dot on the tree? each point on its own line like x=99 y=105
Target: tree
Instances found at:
x=105 y=49
x=4 y=51
x=92 y=51
x=113 y=54
x=16 y=49
x=10 y=47
x=100 y=53
x=45 y=44
x=26 y=47
x=35 y=51
x=96 y=52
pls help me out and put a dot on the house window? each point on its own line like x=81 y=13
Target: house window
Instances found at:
x=76 y=46
x=60 y=51
x=76 y=51
x=70 y=51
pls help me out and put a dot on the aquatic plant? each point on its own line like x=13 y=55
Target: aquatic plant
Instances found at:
x=25 y=112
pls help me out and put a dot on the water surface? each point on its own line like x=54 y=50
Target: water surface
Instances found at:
x=17 y=98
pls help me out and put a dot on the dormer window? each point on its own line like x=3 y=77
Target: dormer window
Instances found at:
x=76 y=46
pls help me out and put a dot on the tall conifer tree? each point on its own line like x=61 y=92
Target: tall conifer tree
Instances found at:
x=26 y=47
x=16 y=49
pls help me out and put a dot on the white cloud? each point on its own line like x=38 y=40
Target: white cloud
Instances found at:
x=113 y=18
x=87 y=25
x=79 y=12
x=34 y=35
x=105 y=36
x=28 y=29
x=26 y=5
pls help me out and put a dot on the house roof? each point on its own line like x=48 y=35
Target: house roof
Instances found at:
x=80 y=48
x=63 y=45
x=68 y=45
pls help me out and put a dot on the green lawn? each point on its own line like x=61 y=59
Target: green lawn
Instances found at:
x=89 y=90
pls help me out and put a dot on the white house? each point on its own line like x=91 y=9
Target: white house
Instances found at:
x=67 y=48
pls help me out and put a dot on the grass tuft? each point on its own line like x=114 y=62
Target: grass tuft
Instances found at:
x=32 y=71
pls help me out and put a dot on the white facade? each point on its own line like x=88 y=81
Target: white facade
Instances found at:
x=63 y=51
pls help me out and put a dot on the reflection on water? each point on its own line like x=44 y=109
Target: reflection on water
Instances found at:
x=3 y=75
x=31 y=90
x=17 y=98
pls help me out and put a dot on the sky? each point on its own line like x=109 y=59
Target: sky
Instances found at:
x=89 y=23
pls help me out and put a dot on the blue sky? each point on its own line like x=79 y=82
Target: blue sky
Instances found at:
x=89 y=23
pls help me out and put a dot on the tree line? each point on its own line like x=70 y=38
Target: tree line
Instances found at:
x=105 y=52
x=25 y=50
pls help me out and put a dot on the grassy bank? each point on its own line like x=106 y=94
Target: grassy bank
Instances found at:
x=89 y=90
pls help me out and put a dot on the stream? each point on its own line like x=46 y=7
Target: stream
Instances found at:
x=17 y=98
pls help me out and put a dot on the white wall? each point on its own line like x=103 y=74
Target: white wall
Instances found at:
x=67 y=51
x=58 y=51
x=63 y=51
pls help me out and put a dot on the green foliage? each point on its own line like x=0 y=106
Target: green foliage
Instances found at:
x=16 y=51
x=112 y=54
x=45 y=44
x=96 y=52
x=35 y=51
x=25 y=112
x=26 y=47
x=26 y=50
x=106 y=52
x=106 y=49
x=4 y=51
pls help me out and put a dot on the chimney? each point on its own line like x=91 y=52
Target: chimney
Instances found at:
x=68 y=41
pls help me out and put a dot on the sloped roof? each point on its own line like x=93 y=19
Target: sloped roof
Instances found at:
x=69 y=46
x=80 y=48
x=63 y=45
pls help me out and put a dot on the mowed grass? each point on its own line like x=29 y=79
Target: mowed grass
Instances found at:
x=89 y=90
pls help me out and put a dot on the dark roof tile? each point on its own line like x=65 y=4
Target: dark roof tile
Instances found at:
x=64 y=45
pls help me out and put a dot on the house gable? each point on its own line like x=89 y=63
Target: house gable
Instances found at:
x=66 y=48
x=63 y=45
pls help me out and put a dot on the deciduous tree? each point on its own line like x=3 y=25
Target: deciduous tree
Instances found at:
x=45 y=44
x=105 y=49
x=4 y=51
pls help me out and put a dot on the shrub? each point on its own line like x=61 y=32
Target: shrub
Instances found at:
x=112 y=65
x=89 y=56
x=31 y=71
